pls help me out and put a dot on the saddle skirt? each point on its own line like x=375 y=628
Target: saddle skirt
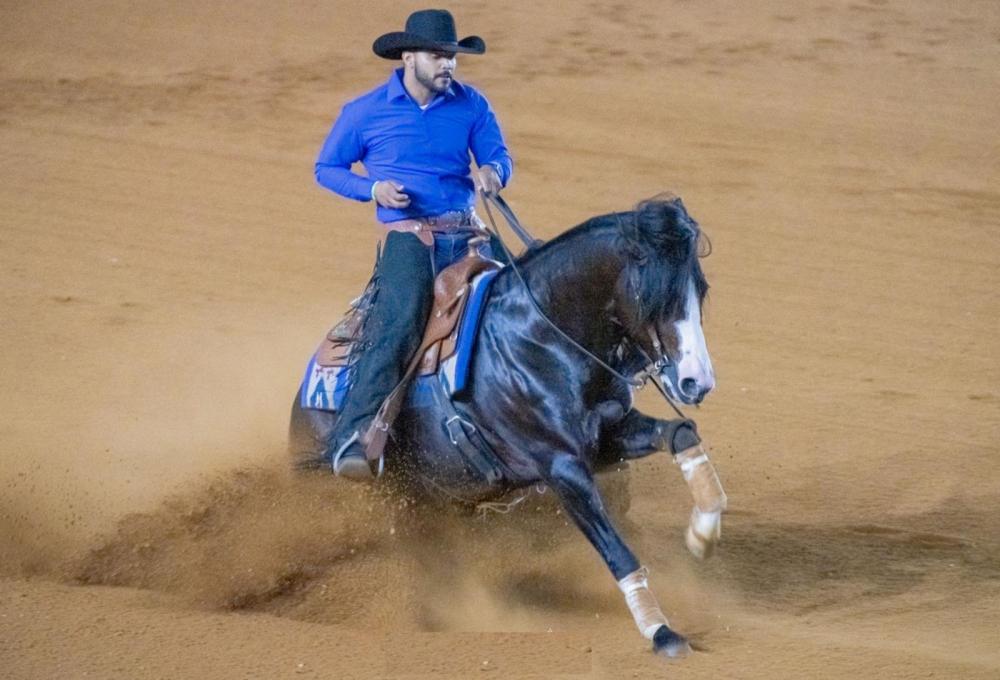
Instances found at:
x=460 y=291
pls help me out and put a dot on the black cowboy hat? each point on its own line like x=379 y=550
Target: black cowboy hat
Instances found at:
x=427 y=30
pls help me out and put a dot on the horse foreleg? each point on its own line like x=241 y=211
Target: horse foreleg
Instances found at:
x=637 y=435
x=574 y=484
x=705 y=528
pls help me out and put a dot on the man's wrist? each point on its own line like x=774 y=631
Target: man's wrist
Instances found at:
x=498 y=170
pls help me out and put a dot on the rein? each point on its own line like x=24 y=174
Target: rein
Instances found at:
x=653 y=366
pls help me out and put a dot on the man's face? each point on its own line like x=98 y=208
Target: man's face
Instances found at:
x=433 y=70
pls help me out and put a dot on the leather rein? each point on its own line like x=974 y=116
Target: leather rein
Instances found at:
x=653 y=366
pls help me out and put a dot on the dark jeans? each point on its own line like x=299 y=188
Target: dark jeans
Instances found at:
x=392 y=332
x=451 y=247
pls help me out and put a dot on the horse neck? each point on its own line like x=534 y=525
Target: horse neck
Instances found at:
x=574 y=281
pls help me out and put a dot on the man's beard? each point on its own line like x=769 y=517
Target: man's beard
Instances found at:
x=426 y=78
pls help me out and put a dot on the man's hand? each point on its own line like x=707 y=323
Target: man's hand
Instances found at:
x=389 y=194
x=488 y=180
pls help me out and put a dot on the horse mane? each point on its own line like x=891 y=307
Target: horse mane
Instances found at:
x=661 y=245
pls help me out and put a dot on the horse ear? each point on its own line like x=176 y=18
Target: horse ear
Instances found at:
x=704 y=245
x=663 y=220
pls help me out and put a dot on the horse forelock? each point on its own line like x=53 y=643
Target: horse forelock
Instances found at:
x=664 y=244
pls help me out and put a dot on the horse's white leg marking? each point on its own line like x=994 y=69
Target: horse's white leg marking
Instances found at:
x=705 y=527
x=694 y=362
x=642 y=603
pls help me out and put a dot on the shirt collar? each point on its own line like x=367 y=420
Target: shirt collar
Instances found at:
x=396 y=88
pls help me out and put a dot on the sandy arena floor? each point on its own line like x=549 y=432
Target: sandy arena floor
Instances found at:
x=167 y=264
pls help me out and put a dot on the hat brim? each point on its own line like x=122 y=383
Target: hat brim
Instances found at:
x=392 y=45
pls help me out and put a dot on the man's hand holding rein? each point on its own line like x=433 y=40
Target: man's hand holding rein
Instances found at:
x=488 y=179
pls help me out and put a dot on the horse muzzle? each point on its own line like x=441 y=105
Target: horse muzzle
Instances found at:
x=687 y=386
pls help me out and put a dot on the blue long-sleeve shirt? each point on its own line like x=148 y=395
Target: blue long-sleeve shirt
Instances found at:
x=427 y=151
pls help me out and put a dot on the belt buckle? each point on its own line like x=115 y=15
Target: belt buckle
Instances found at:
x=453 y=220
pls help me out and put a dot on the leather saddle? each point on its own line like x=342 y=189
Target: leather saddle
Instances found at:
x=328 y=373
x=447 y=337
x=451 y=295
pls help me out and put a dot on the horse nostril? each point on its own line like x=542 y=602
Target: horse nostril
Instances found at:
x=689 y=386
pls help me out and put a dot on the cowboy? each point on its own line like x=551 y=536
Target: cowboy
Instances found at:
x=413 y=135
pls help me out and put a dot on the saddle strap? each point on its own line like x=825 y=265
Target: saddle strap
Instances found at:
x=466 y=438
x=375 y=438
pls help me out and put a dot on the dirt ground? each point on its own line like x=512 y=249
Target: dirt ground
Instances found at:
x=167 y=264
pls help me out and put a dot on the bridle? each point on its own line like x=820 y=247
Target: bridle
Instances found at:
x=651 y=373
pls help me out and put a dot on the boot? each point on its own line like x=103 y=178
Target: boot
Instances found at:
x=391 y=334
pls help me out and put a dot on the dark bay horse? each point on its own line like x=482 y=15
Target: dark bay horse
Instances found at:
x=627 y=288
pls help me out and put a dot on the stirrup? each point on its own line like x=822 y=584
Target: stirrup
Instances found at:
x=352 y=468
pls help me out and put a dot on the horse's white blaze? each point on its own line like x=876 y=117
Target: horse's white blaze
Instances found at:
x=694 y=362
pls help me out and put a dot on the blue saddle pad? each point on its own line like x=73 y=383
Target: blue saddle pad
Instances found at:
x=325 y=387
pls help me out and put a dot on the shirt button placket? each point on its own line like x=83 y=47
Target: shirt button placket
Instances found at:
x=429 y=139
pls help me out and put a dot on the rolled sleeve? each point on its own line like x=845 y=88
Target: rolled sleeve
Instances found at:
x=343 y=147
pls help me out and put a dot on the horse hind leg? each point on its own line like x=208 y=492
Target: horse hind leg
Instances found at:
x=574 y=484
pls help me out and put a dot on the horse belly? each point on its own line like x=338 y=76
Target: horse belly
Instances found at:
x=425 y=450
x=429 y=446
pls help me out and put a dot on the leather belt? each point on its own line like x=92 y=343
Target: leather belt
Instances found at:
x=451 y=222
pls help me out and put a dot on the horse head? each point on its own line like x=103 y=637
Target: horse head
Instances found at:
x=661 y=291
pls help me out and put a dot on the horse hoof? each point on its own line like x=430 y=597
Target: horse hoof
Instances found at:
x=703 y=532
x=698 y=545
x=670 y=644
